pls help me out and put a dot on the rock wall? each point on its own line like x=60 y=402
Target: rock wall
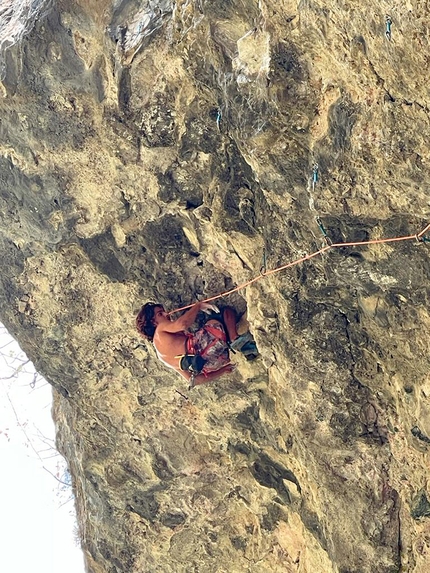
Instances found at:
x=162 y=150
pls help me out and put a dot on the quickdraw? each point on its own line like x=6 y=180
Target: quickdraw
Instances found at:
x=315 y=169
x=388 y=23
x=264 y=265
x=218 y=119
x=323 y=231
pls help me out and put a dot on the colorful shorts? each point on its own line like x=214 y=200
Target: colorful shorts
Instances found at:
x=210 y=342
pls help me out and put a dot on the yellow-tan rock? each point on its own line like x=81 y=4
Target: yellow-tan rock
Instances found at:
x=169 y=151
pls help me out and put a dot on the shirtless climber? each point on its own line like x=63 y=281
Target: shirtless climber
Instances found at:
x=199 y=356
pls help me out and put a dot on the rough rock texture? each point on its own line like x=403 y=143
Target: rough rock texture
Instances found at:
x=157 y=150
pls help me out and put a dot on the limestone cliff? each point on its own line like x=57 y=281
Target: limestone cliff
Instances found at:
x=161 y=150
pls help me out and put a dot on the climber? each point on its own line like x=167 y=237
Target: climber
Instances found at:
x=199 y=356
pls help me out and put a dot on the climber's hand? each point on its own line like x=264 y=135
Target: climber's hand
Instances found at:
x=208 y=308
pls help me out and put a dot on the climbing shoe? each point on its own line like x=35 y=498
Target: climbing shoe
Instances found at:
x=246 y=345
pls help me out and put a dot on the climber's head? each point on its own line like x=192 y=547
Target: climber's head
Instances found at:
x=150 y=315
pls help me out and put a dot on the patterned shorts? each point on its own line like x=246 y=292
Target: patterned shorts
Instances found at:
x=210 y=342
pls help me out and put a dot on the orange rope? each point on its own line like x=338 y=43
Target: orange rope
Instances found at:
x=424 y=231
x=306 y=258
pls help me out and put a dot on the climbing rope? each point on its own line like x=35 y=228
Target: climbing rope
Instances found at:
x=419 y=237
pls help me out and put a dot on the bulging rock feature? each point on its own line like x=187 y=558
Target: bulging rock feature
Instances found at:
x=169 y=152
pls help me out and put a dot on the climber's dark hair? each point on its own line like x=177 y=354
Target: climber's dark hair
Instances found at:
x=144 y=320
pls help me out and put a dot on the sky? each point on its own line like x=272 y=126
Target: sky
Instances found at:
x=38 y=531
x=37 y=518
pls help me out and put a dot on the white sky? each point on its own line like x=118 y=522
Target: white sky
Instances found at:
x=37 y=516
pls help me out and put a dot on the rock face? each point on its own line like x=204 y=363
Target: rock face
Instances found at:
x=162 y=150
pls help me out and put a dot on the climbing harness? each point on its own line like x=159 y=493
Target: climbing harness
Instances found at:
x=202 y=351
x=388 y=23
x=417 y=237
